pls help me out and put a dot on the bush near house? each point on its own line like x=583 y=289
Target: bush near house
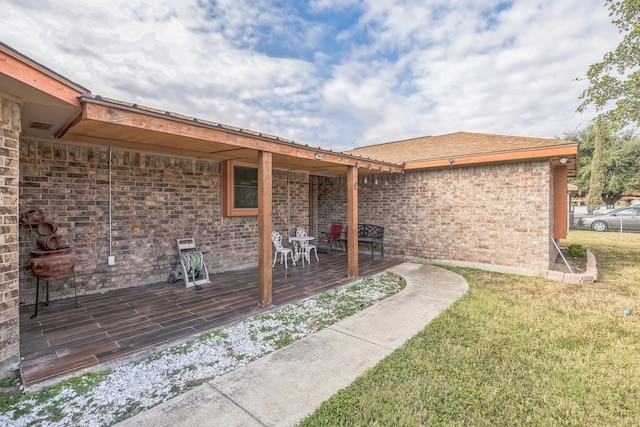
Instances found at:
x=577 y=251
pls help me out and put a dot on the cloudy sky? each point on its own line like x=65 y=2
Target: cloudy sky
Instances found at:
x=332 y=73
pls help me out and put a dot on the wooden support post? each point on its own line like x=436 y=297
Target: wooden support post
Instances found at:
x=560 y=214
x=265 y=208
x=352 y=220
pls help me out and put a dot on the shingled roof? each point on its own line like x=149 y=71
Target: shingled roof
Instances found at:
x=451 y=145
x=468 y=148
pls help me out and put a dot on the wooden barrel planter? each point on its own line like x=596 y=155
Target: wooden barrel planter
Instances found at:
x=53 y=264
x=51 y=260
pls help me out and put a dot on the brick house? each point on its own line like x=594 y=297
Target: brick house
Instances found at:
x=469 y=199
x=125 y=181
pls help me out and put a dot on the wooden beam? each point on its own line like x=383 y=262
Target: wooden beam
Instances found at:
x=560 y=202
x=352 y=220
x=265 y=207
x=569 y=150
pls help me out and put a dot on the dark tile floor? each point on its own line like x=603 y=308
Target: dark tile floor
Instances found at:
x=64 y=339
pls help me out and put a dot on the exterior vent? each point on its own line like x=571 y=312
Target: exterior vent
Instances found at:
x=40 y=126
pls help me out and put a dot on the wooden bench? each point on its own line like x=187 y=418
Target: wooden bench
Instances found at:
x=370 y=234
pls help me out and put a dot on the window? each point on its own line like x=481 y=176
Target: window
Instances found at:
x=245 y=187
x=239 y=189
x=629 y=212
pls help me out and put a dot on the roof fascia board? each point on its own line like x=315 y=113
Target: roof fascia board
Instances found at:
x=30 y=73
x=541 y=153
x=105 y=112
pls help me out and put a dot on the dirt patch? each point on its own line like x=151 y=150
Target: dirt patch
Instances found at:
x=578 y=265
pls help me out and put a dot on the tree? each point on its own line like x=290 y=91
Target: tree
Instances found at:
x=597 y=178
x=609 y=164
x=614 y=83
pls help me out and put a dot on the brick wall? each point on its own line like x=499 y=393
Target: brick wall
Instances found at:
x=154 y=200
x=490 y=215
x=9 y=298
x=290 y=207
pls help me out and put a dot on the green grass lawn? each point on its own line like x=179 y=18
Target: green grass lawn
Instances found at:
x=515 y=350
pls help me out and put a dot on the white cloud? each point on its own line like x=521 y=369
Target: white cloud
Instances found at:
x=323 y=5
x=513 y=77
x=405 y=69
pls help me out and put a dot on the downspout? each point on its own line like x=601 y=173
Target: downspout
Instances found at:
x=110 y=259
x=288 y=201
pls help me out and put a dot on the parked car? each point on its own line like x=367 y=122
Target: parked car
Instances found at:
x=602 y=211
x=628 y=216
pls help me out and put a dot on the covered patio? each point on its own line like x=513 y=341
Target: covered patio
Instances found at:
x=110 y=327
x=122 y=182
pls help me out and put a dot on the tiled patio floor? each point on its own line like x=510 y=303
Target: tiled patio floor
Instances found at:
x=64 y=339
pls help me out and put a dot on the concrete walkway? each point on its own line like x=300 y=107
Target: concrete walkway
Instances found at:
x=283 y=387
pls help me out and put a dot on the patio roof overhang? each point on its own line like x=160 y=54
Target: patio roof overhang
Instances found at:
x=52 y=106
x=48 y=101
x=114 y=123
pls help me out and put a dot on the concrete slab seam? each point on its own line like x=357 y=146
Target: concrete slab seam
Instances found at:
x=357 y=337
x=233 y=402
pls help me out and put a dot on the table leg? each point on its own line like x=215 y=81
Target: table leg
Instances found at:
x=301 y=253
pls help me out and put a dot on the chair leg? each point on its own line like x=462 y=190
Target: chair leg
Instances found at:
x=316 y=252
x=275 y=257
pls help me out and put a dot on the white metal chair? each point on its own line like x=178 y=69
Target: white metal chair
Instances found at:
x=306 y=246
x=276 y=238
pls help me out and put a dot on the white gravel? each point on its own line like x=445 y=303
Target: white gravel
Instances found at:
x=104 y=398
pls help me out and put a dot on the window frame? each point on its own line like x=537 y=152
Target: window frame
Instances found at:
x=228 y=190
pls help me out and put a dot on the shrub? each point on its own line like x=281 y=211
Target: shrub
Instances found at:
x=577 y=251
